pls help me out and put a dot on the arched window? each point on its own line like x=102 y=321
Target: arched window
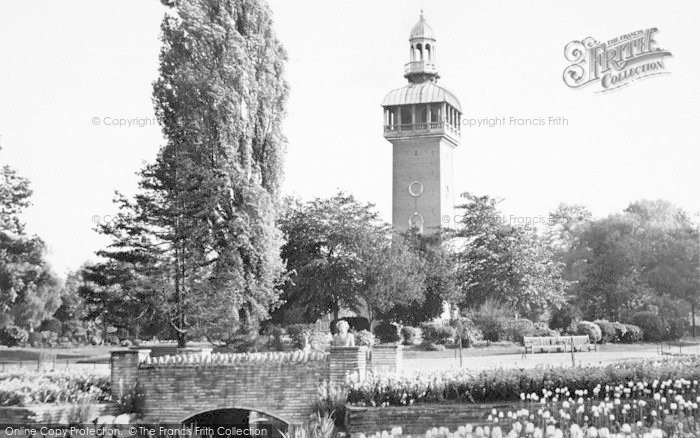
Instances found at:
x=420 y=51
x=427 y=51
x=416 y=222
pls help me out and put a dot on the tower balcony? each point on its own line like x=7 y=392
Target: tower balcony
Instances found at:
x=417 y=67
x=421 y=129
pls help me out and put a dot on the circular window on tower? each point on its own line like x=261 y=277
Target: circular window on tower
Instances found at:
x=416 y=222
x=415 y=188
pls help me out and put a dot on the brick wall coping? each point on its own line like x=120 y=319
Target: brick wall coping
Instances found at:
x=232 y=359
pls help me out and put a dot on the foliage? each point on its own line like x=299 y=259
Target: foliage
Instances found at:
x=327 y=243
x=591 y=330
x=632 y=334
x=26 y=388
x=652 y=325
x=620 y=331
x=29 y=290
x=200 y=236
x=51 y=324
x=330 y=401
x=299 y=334
x=320 y=340
x=541 y=329
x=394 y=273
x=439 y=285
x=437 y=333
x=517 y=329
x=564 y=316
x=366 y=338
x=13 y=336
x=129 y=400
x=411 y=335
x=388 y=332
x=673 y=314
x=491 y=319
x=624 y=262
x=467 y=331
x=464 y=386
x=503 y=261
x=607 y=330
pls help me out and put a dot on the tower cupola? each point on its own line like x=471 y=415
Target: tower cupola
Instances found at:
x=421 y=67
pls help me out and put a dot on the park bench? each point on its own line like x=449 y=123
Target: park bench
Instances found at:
x=578 y=343
x=557 y=343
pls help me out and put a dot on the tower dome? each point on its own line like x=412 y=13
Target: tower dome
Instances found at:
x=422 y=30
x=421 y=66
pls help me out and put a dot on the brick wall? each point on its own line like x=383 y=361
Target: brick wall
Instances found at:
x=344 y=360
x=124 y=370
x=387 y=358
x=285 y=390
x=417 y=419
x=283 y=385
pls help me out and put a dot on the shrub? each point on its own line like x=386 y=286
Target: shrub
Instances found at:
x=590 y=329
x=620 y=331
x=52 y=325
x=299 y=334
x=49 y=338
x=563 y=318
x=356 y=323
x=517 y=329
x=607 y=329
x=276 y=333
x=365 y=337
x=675 y=328
x=491 y=319
x=467 y=331
x=632 y=334
x=13 y=336
x=651 y=324
x=431 y=346
x=34 y=339
x=437 y=333
x=320 y=339
x=542 y=329
x=673 y=314
x=411 y=335
x=387 y=332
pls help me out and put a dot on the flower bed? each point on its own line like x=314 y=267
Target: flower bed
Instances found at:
x=507 y=385
x=24 y=388
x=642 y=398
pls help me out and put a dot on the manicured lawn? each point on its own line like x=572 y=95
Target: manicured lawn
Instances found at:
x=511 y=356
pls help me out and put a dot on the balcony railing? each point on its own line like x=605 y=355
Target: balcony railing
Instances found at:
x=420 y=67
x=420 y=128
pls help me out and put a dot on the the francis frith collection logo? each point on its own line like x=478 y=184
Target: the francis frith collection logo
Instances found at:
x=614 y=63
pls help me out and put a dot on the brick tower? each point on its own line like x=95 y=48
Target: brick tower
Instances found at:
x=422 y=122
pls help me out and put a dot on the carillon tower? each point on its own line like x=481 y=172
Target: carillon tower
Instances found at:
x=422 y=122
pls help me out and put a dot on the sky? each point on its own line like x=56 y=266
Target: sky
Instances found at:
x=70 y=71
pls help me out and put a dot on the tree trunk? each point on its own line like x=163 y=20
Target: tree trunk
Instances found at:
x=692 y=313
